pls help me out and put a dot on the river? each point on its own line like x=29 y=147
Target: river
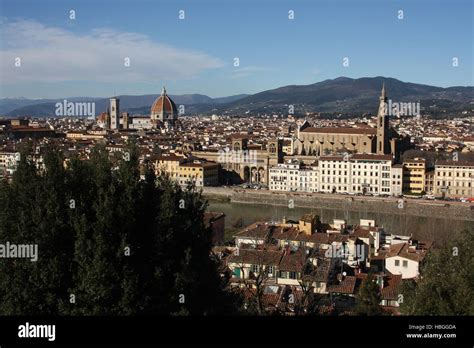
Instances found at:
x=242 y=214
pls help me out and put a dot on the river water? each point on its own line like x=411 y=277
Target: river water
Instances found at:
x=438 y=229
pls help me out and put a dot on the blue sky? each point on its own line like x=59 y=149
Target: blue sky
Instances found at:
x=61 y=57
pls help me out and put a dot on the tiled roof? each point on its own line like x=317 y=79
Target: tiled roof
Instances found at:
x=340 y=130
x=391 y=287
x=345 y=286
x=293 y=261
x=363 y=232
x=256 y=257
x=258 y=230
x=371 y=157
x=455 y=163
x=416 y=253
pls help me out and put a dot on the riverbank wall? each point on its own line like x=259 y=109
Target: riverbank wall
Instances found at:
x=395 y=206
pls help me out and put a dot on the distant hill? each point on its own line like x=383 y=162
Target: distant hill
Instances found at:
x=342 y=95
x=346 y=95
x=16 y=107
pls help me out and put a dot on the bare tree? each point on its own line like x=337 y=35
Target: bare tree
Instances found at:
x=262 y=265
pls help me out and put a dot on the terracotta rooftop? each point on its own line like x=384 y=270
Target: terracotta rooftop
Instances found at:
x=414 y=253
x=455 y=163
x=256 y=257
x=345 y=286
x=341 y=130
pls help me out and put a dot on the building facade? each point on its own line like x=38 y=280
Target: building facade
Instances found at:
x=414 y=175
x=381 y=140
x=454 y=179
x=350 y=174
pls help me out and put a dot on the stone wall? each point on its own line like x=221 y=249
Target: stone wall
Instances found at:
x=413 y=207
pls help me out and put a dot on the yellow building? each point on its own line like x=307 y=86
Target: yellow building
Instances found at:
x=169 y=164
x=414 y=174
x=86 y=136
x=203 y=173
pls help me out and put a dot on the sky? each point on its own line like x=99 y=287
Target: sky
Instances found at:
x=117 y=47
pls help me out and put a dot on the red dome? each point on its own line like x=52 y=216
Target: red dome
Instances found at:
x=163 y=105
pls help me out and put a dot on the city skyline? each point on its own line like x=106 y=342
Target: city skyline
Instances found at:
x=302 y=161
x=87 y=55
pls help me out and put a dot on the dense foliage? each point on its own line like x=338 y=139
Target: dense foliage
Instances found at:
x=108 y=242
x=446 y=284
x=368 y=298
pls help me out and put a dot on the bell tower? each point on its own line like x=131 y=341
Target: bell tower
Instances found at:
x=383 y=146
x=114 y=113
x=275 y=151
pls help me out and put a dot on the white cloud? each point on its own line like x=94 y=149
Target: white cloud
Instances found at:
x=50 y=54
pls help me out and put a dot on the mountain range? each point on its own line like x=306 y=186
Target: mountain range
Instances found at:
x=341 y=96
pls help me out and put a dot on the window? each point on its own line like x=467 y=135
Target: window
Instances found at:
x=405 y=264
x=397 y=263
x=236 y=272
x=292 y=275
x=270 y=270
x=254 y=268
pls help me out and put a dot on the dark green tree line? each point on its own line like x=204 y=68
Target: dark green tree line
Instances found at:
x=446 y=282
x=108 y=242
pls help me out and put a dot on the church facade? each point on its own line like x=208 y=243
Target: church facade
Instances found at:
x=163 y=114
x=381 y=140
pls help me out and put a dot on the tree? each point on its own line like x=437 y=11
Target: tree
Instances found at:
x=308 y=302
x=368 y=298
x=109 y=242
x=34 y=212
x=258 y=276
x=445 y=283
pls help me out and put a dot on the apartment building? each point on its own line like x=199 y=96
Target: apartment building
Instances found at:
x=183 y=170
x=454 y=179
x=201 y=172
x=397 y=179
x=359 y=173
x=168 y=163
x=293 y=176
x=429 y=181
x=414 y=175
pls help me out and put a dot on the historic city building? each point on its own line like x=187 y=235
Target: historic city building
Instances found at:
x=363 y=138
x=163 y=111
x=163 y=114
